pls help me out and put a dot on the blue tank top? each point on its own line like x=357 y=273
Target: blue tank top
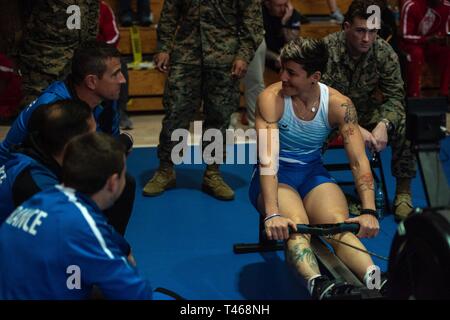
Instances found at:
x=301 y=141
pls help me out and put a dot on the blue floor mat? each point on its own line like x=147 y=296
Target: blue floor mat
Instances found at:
x=183 y=239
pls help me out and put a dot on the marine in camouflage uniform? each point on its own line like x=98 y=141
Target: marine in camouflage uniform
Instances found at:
x=375 y=86
x=48 y=45
x=204 y=39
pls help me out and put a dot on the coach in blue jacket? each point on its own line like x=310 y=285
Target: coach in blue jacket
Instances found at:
x=58 y=244
x=35 y=165
x=95 y=79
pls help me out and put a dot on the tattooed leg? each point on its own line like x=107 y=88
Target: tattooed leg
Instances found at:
x=300 y=255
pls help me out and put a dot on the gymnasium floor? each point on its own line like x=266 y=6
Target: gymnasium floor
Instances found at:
x=183 y=239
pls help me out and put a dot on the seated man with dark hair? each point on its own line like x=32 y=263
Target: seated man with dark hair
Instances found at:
x=36 y=164
x=366 y=69
x=281 y=25
x=96 y=79
x=58 y=244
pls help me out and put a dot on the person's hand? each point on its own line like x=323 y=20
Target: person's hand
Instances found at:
x=288 y=13
x=369 y=139
x=277 y=228
x=162 y=61
x=239 y=69
x=368 y=225
x=380 y=135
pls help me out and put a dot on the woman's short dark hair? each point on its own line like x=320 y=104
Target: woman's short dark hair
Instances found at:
x=312 y=54
x=89 y=161
x=52 y=126
x=358 y=9
x=90 y=58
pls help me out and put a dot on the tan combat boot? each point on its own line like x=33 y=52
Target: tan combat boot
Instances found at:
x=214 y=185
x=402 y=206
x=163 y=179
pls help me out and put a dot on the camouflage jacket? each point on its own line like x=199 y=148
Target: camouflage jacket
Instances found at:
x=377 y=71
x=48 y=43
x=212 y=32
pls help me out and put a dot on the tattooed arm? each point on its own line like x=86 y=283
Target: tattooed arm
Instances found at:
x=343 y=114
x=268 y=112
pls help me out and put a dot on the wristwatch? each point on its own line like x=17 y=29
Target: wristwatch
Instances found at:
x=388 y=124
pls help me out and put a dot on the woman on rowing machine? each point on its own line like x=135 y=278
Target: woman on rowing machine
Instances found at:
x=290 y=184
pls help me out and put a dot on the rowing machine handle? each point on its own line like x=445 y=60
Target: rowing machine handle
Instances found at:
x=328 y=229
x=350 y=227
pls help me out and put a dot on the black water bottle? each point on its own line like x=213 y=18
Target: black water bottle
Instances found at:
x=379 y=200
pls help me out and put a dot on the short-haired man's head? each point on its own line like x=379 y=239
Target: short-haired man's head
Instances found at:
x=90 y=58
x=90 y=160
x=361 y=26
x=52 y=126
x=276 y=8
x=312 y=54
x=359 y=9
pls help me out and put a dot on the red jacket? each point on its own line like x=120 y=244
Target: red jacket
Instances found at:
x=107 y=30
x=418 y=21
x=10 y=91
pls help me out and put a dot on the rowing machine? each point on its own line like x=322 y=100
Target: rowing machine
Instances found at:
x=328 y=261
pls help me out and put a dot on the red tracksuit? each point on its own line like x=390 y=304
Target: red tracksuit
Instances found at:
x=10 y=89
x=107 y=30
x=418 y=23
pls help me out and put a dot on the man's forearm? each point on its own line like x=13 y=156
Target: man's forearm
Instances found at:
x=392 y=87
x=392 y=111
x=167 y=26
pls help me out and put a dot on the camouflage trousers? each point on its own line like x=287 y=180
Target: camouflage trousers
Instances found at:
x=33 y=83
x=403 y=164
x=48 y=44
x=40 y=69
x=186 y=88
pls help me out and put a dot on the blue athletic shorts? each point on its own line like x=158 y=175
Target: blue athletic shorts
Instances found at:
x=302 y=178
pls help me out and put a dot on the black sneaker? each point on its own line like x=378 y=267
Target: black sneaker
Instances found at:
x=321 y=287
x=343 y=291
x=384 y=284
x=126 y=19
x=145 y=20
x=325 y=289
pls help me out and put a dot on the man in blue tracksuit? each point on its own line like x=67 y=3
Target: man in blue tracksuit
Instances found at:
x=36 y=164
x=95 y=79
x=58 y=244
